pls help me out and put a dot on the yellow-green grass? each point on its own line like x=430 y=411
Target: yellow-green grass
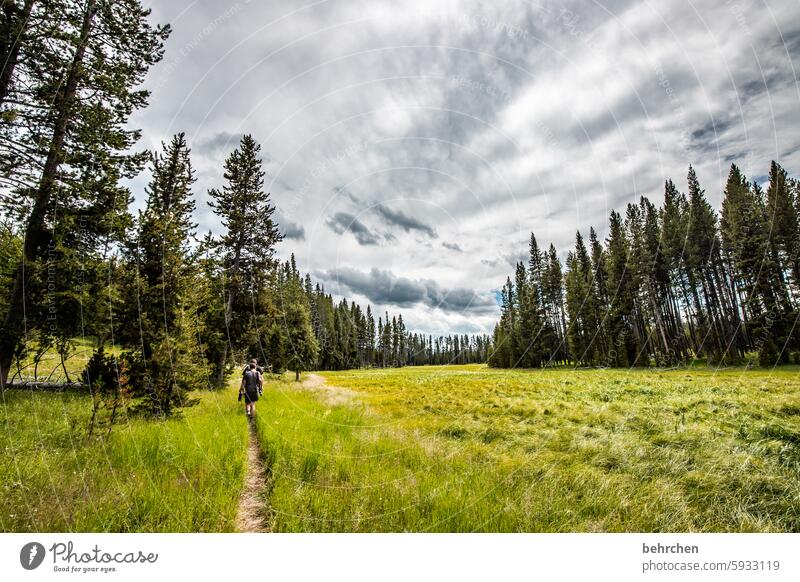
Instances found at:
x=459 y=448
x=466 y=448
x=50 y=369
x=182 y=474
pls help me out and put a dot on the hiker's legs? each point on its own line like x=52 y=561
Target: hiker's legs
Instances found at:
x=253 y=409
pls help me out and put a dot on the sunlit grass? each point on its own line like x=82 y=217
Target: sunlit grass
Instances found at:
x=456 y=448
x=49 y=368
x=183 y=474
x=466 y=448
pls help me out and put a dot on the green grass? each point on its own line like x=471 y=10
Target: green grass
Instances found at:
x=50 y=369
x=456 y=448
x=183 y=474
x=465 y=448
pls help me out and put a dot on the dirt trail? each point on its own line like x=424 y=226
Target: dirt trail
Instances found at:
x=331 y=395
x=252 y=514
x=312 y=381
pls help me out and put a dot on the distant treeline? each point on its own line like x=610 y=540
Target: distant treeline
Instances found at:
x=349 y=337
x=668 y=284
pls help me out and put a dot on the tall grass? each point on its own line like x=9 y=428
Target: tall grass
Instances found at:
x=182 y=474
x=456 y=448
x=49 y=368
x=466 y=448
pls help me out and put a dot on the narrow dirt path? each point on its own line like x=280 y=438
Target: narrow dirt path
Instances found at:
x=331 y=395
x=252 y=514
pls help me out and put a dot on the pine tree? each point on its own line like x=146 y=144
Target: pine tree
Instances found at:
x=553 y=307
x=582 y=306
x=600 y=283
x=301 y=348
x=716 y=318
x=622 y=349
x=77 y=132
x=246 y=248
x=15 y=24
x=167 y=289
x=783 y=224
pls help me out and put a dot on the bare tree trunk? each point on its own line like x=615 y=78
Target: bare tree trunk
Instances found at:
x=228 y=316
x=36 y=233
x=18 y=25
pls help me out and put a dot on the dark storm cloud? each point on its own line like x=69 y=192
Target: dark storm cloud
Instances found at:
x=385 y=288
x=221 y=142
x=293 y=230
x=342 y=222
x=790 y=41
x=404 y=221
x=769 y=81
x=790 y=151
x=706 y=136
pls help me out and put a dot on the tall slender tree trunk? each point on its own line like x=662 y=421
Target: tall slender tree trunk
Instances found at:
x=657 y=315
x=18 y=26
x=234 y=276
x=36 y=233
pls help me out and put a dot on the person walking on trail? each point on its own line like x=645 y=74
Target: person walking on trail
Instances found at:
x=251 y=388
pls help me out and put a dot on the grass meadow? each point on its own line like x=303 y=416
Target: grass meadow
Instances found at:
x=45 y=365
x=453 y=448
x=465 y=448
x=180 y=475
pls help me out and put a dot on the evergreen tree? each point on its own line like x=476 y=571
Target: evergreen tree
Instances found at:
x=246 y=247
x=76 y=108
x=553 y=284
x=782 y=222
x=167 y=285
x=300 y=345
x=582 y=306
x=622 y=349
x=15 y=24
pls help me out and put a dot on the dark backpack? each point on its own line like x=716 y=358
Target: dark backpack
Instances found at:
x=251 y=381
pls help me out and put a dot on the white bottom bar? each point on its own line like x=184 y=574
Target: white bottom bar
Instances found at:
x=390 y=557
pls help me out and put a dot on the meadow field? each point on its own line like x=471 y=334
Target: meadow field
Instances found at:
x=182 y=475
x=466 y=448
x=449 y=448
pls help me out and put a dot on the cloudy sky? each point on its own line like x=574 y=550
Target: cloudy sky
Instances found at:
x=411 y=146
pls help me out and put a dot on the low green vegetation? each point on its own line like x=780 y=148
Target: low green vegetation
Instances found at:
x=466 y=448
x=42 y=362
x=451 y=448
x=182 y=474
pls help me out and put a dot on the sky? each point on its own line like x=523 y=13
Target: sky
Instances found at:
x=412 y=146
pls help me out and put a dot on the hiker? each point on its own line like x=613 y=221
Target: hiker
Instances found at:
x=252 y=387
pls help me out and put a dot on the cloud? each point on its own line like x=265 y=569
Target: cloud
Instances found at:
x=292 y=230
x=452 y=246
x=222 y=141
x=385 y=288
x=342 y=222
x=344 y=191
x=498 y=118
x=404 y=221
